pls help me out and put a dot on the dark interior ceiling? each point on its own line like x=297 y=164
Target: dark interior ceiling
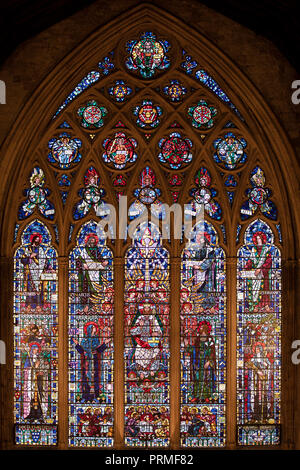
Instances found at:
x=277 y=20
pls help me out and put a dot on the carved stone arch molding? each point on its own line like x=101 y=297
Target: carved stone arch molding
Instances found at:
x=269 y=148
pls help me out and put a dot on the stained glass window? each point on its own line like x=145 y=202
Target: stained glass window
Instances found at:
x=91 y=292
x=92 y=115
x=203 y=340
x=147 y=114
x=147 y=288
x=203 y=196
x=149 y=122
x=147 y=196
x=35 y=330
x=64 y=151
x=120 y=150
x=202 y=115
x=37 y=197
x=258 y=347
x=258 y=197
x=91 y=196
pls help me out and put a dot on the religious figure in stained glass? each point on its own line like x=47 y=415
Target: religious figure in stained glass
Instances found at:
x=203 y=303
x=36 y=266
x=36 y=364
x=203 y=197
x=37 y=197
x=35 y=314
x=259 y=374
x=90 y=265
x=146 y=340
x=146 y=332
x=259 y=312
x=230 y=151
x=147 y=196
x=119 y=151
x=147 y=55
x=202 y=265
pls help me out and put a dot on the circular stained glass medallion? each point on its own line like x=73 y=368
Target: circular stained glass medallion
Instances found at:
x=92 y=114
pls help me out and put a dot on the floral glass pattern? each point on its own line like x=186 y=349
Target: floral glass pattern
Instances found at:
x=147 y=114
x=120 y=91
x=189 y=63
x=175 y=180
x=106 y=65
x=64 y=180
x=175 y=90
